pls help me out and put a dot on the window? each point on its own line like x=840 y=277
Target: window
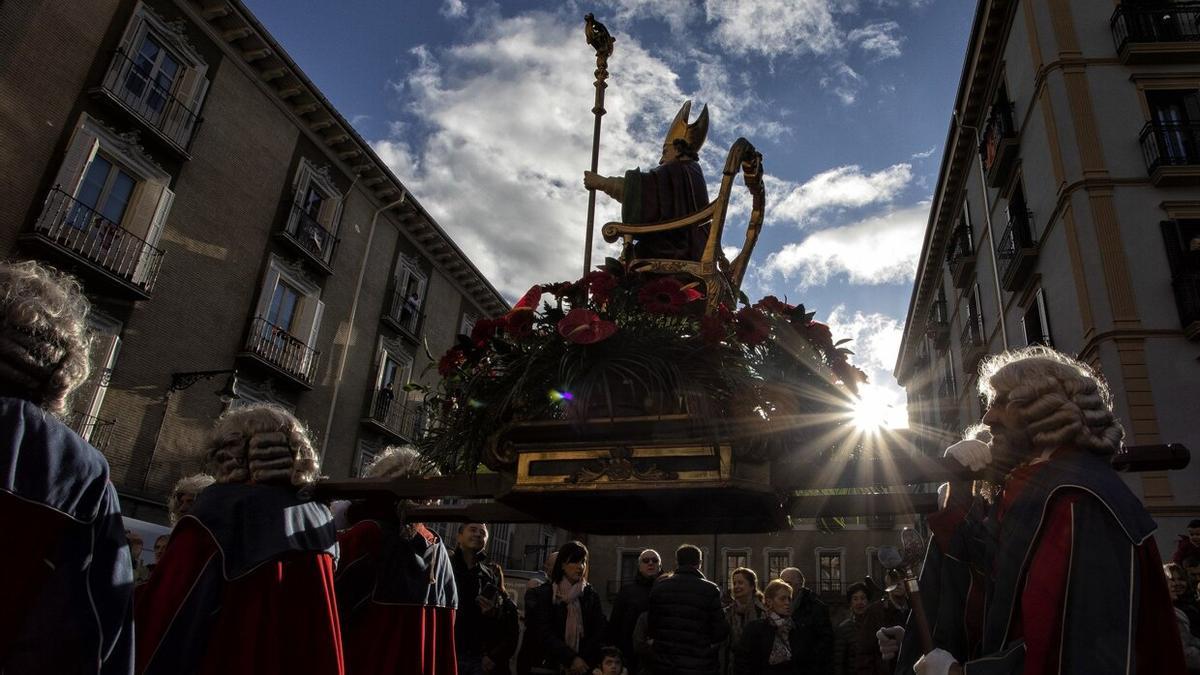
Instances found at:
x=1036 y=322
x=499 y=542
x=151 y=79
x=777 y=561
x=410 y=294
x=973 y=335
x=468 y=323
x=366 y=455
x=875 y=568
x=287 y=320
x=105 y=190
x=829 y=571
x=734 y=558
x=282 y=312
x=1175 y=114
x=313 y=220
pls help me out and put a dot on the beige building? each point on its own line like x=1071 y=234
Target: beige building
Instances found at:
x=1067 y=213
x=223 y=217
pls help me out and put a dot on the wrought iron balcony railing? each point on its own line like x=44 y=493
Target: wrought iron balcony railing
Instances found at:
x=999 y=127
x=133 y=85
x=404 y=312
x=282 y=350
x=94 y=430
x=946 y=388
x=1017 y=250
x=962 y=243
x=1170 y=144
x=972 y=333
x=403 y=418
x=310 y=234
x=1159 y=22
x=71 y=225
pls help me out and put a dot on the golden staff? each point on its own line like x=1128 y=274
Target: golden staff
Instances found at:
x=597 y=37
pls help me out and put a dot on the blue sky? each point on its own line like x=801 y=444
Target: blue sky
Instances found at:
x=482 y=108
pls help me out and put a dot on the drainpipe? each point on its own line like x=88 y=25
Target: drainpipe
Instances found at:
x=362 y=273
x=987 y=215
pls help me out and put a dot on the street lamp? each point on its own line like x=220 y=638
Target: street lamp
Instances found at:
x=227 y=393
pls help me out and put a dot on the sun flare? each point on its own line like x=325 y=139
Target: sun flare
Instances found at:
x=876 y=410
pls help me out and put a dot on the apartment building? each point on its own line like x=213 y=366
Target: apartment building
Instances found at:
x=238 y=239
x=1067 y=213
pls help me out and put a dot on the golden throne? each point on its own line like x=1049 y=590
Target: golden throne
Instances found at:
x=722 y=279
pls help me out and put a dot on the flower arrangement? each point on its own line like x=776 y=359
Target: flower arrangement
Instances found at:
x=618 y=343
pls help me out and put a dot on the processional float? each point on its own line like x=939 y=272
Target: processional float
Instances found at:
x=640 y=399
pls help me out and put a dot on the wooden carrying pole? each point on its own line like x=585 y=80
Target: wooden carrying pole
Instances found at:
x=597 y=37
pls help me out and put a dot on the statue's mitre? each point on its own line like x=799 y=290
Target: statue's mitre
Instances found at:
x=693 y=134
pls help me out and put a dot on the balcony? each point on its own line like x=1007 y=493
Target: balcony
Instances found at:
x=1172 y=152
x=1187 y=298
x=130 y=87
x=960 y=256
x=1017 y=253
x=973 y=343
x=998 y=146
x=94 y=430
x=310 y=238
x=401 y=419
x=1166 y=32
x=283 y=353
x=938 y=328
x=74 y=234
x=403 y=314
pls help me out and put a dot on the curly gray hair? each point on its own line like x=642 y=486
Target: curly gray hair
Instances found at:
x=43 y=334
x=1061 y=401
x=188 y=485
x=399 y=461
x=262 y=443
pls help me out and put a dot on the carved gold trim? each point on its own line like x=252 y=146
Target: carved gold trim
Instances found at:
x=724 y=453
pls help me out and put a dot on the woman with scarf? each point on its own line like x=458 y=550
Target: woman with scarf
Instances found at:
x=747 y=606
x=564 y=621
x=768 y=643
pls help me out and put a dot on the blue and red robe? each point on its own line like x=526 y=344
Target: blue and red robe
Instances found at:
x=1060 y=575
x=397 y=600
x=66 y=578
x=245 y=587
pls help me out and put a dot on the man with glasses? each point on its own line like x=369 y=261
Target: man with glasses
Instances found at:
x=632 y=600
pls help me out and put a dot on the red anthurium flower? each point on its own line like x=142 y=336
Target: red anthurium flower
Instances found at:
x=585 y=327
x=751 y=325
x=519 y=322
x=666 y=296
x=530 y=299
x=451 y=361
x=773 y=305
x=600 y=284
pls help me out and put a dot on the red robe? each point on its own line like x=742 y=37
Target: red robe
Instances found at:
x=1073 y=579
x=210 y=610
x=398 y=600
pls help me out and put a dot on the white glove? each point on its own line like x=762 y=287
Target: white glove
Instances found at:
x=973 y=454
x=943 y=495
x=889 y=641
x=936 y=662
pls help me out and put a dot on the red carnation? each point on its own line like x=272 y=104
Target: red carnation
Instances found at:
x=485 y=330
x=713 y=329
x=600 y=284
x=773 y=305
x=519 y=322
x=752 y=326
x=451 y=361
x=585 y=327
x=819 y=334
x=666 y=296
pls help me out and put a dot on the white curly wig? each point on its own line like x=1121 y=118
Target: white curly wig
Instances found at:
x=188 y=485
x=1060 y=400
x=399 y=461
x=43 y=334
x=262 y=443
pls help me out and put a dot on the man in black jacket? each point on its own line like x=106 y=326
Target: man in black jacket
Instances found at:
x=811 y=617
x=485 y=628
x=632 y=600
x=686 y=624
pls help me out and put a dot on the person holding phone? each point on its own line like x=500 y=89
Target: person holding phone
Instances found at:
x=485 y=630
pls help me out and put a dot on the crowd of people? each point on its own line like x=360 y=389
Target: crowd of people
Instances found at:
x=1051 y=568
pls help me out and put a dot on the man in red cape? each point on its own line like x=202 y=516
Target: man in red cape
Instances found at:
x=395 y=587
x=245 y=586
x=1059 y=573
x=65 y=577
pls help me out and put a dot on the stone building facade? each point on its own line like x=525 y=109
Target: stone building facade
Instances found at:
x=1067 y=213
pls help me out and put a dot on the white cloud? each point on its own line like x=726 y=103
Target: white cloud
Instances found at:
x=454 y=8
x=838 y=188
x=775 y=27
x=875 y=341
x=844 y=82
x=676 y=13
x=882 y=249
x=925 y=154
x=881 y=38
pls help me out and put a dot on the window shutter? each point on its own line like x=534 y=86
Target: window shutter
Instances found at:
x=189 y=92
x=315 y=327
x=150 y=216
x=330 y=209
x=84 y=145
